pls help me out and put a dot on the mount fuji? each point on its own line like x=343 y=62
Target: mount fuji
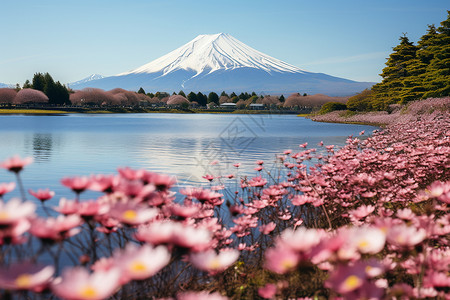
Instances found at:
x=220 y=62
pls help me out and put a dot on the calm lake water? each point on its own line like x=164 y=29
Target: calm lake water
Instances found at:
x=183 y=145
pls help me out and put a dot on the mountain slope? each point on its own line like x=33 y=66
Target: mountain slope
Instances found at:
x=219 y=62
x=86 y=80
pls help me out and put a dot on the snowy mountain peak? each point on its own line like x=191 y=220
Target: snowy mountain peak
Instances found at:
x=87 y=79
x=208 y=53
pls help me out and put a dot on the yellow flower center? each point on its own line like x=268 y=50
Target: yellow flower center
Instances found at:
x=287 y=264
x=352 y=282
x=88 y=292
x=4 y=215
x=129 y=215
x=214 y=264
x=23 y=281
x=363 y=244
x=137 y=267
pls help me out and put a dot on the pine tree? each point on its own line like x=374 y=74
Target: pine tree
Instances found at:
x=437 y=76
x=388 y=91
x=202 y=99
x=141 y=91
x=213 y=97
x=181 y=93
x=38 y=82
x=192 y=97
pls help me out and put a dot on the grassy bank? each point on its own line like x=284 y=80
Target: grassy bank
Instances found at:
x=33 y=111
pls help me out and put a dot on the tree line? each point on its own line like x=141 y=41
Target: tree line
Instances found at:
x=412 y=72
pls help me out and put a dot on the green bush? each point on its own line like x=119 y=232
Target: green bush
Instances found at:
x=332 y=106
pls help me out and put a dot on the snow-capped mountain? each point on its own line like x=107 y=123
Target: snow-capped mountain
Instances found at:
x=86 y=80
x=220 y=62
x=4 y=85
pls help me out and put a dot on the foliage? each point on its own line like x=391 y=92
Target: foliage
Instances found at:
x=213 y=97
x=360 y=102
x=414 y=72
x=332 y=106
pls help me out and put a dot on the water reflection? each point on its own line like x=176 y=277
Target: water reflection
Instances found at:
x=42 y=146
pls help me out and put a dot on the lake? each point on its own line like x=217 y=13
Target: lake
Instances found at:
x=184 y=145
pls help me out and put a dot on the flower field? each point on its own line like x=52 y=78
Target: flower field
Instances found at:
x=368 y=221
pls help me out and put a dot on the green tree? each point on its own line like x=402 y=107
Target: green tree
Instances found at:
x=437 y=76
x=38 y=82
x=192 y=97
x=141 y=91
x=224 y=94
x=27 y=85
x=181 y=93
x=213 y=97
x=282 y=99
x=202 y=99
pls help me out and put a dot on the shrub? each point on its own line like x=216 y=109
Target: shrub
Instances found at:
x=332 y=106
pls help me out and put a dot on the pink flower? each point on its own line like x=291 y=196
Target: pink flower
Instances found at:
x=76 y=184
x=138 y=263
x=15 y=164
x=260 y=162
x=13 y=233
x=78 y=284
x=257 y=182
x=404 y=236
x=237 y=165
x=6 y=188
x=267 y=228
x=367 y=239
x=258 y=168
x=14 y=210
x=42 y=195
x=66 y=207
x=303 y=145
x=55 y=229
x=347 y=278
x=91 y=208
x=132 y=214
x=302 y=239
x=212 y=262
x=268 y=291
x=361 y=212
x=131 y=174
x=200 y=296
x=103 y=183
x=208 y=177
x=26 y=276
x=162 y=182
x=281 y=259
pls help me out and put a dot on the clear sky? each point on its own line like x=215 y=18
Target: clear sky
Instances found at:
x=72 y=39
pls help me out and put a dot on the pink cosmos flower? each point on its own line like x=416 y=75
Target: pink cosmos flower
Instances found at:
x=55 y=229
x=78 y=284
x=6 y=188
x=14 y=234
x=367 y=239
x=131 y=174
x=42 y=195
x=14 y=210
x=66 y=207
x=361 y=212
x=212 y=262
x=302 y=239
x=268 y=291
x=404 y=236
x=103 y=183
x=200 y=296
x=347 y=278
x=260 y=162
x=162 y=182
x=185 y=211
x=203 y=195
x=303 y=145
x=138 y=263
x=132 y=213
x=287 y=152
x=237 y=165
x=258 y=168
x=15 y=164
x=281 y=259
x=257 y=182
x=208 y=177
x=76 y=184
x=91 y=208
x=267 y=228
x=26 y=276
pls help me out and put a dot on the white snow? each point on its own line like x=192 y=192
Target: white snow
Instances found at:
x=87 y=79
x=212 y=52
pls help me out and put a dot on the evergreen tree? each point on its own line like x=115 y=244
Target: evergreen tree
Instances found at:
x=233 y=94
x=224 y=94
x=282 y=99
x=202 y=99
x=437 y=76
x=181 y=93
x=38 y=82
x=213 y=97
x=192 y=97
x=389 y=90
x=27 y=85
x=141 y=91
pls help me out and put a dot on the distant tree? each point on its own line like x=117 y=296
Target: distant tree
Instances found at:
x=361 y=101
x=151 y=95
x=213 y=97
x=202 y=99
x=282 y=99
x=18 y=88
x=192 y=97
x=305 y=94
x=30 y=96
x=57 y=93
x=7 y=95
x=38 y=82
x=224 y=94
x=177 y=100
x=181 y=93
x=233 y=94
x=253 y=94
x=27 y=85
x=141 y=91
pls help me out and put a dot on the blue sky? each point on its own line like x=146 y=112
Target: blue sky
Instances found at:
x=72 y=39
